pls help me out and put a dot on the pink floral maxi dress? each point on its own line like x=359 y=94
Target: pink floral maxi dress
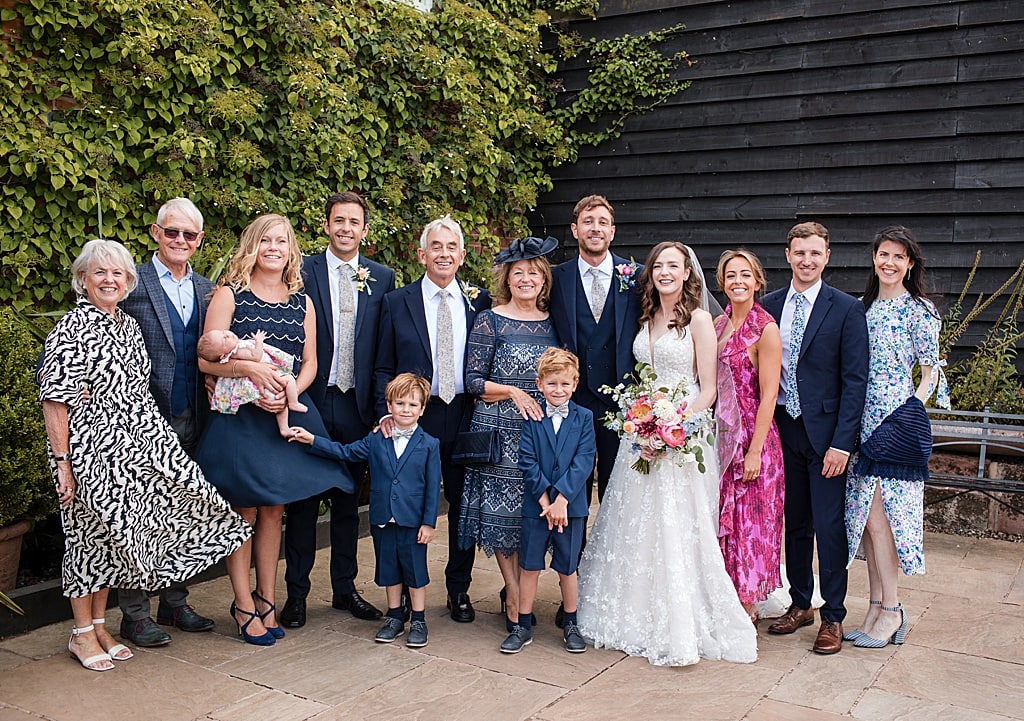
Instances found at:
x=750 y=513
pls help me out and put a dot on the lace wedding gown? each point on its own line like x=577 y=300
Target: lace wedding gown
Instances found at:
x=652 y=581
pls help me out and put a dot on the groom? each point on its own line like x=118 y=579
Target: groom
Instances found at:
x=821 y=399
x=595 y=309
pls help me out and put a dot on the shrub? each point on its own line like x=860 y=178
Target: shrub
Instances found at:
x=26 y=487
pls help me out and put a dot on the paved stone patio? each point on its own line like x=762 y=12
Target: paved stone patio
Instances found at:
x=963 y=661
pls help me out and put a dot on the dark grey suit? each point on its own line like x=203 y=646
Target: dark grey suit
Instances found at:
x=147 y=304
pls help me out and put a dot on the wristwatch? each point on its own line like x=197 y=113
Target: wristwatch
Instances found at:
x=63 y=457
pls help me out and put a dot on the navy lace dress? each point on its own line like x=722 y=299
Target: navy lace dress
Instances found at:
x=244 y=455
x=501 y=350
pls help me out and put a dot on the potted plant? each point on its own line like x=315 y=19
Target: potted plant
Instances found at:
x=26 y=487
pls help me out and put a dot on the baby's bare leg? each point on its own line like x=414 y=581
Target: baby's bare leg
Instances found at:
x=282 y=424
x=292 y=394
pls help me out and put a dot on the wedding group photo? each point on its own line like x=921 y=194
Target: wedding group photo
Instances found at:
x=382 y=361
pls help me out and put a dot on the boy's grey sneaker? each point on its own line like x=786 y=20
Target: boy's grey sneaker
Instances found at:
x=392 y=629
x=417 y=635
x=520 y=636
x=574 y=642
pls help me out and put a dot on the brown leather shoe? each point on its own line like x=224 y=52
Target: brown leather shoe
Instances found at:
x=794 y=618
x=830 y=638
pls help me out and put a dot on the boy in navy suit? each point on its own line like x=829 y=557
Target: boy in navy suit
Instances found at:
x=405 y=489
x=556 y=456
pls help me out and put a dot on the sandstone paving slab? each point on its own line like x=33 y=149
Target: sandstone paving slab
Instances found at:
x=209 y=650
x=10 y=659
x=57 y=689
x=831 y=683
x=442 y=690
x=959 y=581
x=948 y=547
x=878 y=705
x=9 y=713
x=1016 y=593
x=41 y=643
x=269 y=704
x=993 y=630
x=769 y=710
x=325 y=667
x=956 y=679
x=990 y=554
x=633 y=689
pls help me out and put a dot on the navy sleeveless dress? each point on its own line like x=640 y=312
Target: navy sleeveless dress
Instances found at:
x=244 y=455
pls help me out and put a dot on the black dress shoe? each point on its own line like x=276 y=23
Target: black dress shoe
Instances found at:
x=183 y=617
x=461 y=608
x=359 y=606
x=293 y=615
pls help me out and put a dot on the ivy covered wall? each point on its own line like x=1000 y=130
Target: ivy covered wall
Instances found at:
x=109 y=107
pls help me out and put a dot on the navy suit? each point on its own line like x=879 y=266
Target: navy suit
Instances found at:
x=404 y=347
x=832 y=371
x=558 y=463
x=405 y=491
x=348 y=417
x=147 y=304
x=605 y=349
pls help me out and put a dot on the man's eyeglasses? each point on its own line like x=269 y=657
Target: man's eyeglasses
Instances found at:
x=172 y=233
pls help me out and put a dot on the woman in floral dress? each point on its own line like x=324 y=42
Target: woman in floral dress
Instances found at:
x=751 y=492
x=885 y=504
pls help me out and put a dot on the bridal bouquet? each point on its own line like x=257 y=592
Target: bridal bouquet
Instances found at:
x=654 y=418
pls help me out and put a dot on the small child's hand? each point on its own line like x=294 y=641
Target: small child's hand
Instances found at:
x=425 y=535
x=558 y=513
x=259 y=336
x=301 y=435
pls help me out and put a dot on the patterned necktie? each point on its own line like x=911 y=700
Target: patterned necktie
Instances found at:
x=796 y=339
x=445 y=349
x=598 y=294
x=346 y=328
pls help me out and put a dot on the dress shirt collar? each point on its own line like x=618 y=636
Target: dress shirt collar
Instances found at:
x=162 y=271
x=334 y=262
x=605 y=268
x=810 y=295
x=431 y=289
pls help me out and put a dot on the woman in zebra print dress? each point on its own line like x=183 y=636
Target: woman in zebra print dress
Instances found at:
x=136 y=510
x=244 y=455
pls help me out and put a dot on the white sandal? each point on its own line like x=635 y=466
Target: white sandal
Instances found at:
x=118 y=650
x=89 y=663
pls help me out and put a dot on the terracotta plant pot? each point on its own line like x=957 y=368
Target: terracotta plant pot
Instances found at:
x=10 y=553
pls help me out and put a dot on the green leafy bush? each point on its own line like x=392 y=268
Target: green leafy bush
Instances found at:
x=26 y=488
x=109 y=107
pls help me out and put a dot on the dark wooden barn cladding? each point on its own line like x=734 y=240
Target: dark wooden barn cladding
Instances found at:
x=853 y=113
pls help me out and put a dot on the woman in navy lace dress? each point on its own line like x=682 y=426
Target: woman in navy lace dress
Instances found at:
x=501 y=372
x=243 y=454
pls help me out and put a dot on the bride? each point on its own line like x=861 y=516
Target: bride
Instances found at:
x=652 y=581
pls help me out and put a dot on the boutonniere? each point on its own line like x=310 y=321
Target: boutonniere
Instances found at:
x=363 y=280
x=628 y=273
x=470 y=293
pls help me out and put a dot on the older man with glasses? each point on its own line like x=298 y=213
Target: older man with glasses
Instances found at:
x=170 y=306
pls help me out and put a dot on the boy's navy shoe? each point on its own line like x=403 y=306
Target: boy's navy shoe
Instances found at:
x=392 y=629
x=574 y=642
x=417 y=634
x=520 y=636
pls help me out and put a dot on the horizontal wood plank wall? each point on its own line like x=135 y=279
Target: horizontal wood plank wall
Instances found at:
x=853 y=113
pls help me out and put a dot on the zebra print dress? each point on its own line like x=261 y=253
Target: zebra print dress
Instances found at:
x=143 y=515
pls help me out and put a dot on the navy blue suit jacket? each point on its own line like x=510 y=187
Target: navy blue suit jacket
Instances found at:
x=404 y=342
x=558 y=463
x=564 y=278
x=368 y=307
x=147 y=304
x=407 y=489
x=832 y=370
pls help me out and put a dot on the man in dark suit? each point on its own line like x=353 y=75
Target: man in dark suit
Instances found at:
x=821 y=399
x=424 y=327
x=595 y=310
x=170 y=307
x=347 y=291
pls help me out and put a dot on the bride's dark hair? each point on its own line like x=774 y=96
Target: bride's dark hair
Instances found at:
x=650 y=299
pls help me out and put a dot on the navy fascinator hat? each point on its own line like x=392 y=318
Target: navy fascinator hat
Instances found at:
x=525 y=249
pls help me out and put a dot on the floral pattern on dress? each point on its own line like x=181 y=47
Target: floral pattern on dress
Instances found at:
x=230 y=393
x=750 y=521
x=902 y=332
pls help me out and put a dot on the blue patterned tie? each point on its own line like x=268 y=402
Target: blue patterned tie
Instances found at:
x=796 y=339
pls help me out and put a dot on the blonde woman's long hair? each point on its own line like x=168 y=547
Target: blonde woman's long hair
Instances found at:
x=239 y=271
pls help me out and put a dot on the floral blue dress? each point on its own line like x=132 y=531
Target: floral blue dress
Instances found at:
x=501 y=350
x=902 y=333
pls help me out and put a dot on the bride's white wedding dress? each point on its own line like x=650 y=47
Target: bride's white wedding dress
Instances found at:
x=652 y=581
